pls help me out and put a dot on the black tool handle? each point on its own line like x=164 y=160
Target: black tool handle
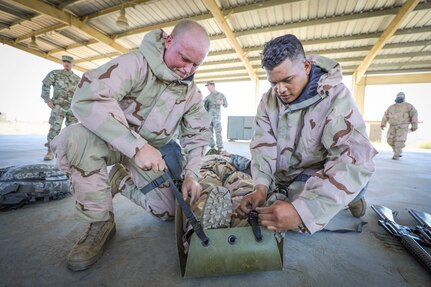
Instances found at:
x=417 y=251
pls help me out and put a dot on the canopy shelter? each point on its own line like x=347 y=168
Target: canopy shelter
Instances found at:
x=368 y=38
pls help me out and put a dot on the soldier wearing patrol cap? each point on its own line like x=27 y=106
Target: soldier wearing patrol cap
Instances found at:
x=212 y=103
x=64 y=82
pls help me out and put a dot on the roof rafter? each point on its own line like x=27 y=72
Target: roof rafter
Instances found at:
x=345 y=59
x=12 y=43
x=298 y=24
x=41 y=32
x=384 y=38
x=97 y=57
x=66 y=3
x=331 y=51
x=206 y=16
x=67 y=18
x=222 y=23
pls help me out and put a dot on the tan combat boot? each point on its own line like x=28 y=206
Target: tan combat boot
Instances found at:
x=49 y=155
x=90 y=247
x=116 y=174
x=358 y=207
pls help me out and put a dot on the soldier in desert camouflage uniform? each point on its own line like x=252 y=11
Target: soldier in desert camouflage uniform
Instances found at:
x=213 y=103
x=310 y=142
x=129 y=109
x=64 y=83
x=399 y=115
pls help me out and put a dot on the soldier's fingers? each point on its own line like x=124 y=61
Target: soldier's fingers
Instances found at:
x=243 y=210
x=264 y=210
x=272 y=228
x=268 y=223
x=267 y=219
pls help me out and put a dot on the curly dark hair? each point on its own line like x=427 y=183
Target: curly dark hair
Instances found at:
x=279 y=49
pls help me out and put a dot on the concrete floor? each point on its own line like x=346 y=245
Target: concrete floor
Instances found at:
x=35 y=240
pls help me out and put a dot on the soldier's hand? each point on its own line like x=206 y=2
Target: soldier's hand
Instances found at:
x=50 y=104
x=280 y=216
x=150 y=158
x=252 y=200
x=191 y=189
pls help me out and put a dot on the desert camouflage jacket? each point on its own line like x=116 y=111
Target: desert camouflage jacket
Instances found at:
x=401 y=114
x=323 y=136
x=64 y=83
x=136 y=98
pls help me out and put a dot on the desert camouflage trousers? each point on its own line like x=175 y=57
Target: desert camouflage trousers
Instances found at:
x=56 y=118
x=215 y=127
x=85 y=157
x=396 y=137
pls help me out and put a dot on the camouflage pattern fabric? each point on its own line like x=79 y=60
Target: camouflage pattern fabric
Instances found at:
x=218 y=170
x=64 y=84
x=58 y=114
x=34 y=181
x=323 y=137
x=213 y=102
x=130 y=101
x=399 y=116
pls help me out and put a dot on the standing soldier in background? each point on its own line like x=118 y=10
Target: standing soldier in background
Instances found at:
x=64 y=83
x=399 y=116
x=213 y=102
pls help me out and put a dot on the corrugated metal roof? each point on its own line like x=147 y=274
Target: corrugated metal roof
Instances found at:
x=341 y=29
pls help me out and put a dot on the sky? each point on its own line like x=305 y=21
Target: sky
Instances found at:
x=21 y=76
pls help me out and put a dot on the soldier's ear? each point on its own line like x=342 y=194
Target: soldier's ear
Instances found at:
x=307 y=66
x=168 y=41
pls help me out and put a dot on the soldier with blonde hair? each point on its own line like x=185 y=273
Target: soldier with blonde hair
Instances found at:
x=130 y=110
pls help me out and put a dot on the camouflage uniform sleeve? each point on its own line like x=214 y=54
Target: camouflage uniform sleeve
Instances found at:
x=348 y=168
x=413 y=116
x=263 y=148
x=385 y=118
x=194 y=133
x=95 y=102
x=46 y=86
x=224 y=101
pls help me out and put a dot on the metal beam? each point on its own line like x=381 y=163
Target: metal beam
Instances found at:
x=14 y=12
x=397 y=65
x=347 y=67
x=398 y=79
x=206 y=16
x=73 y=46
x=98 y=57
x=113 y=9
x=384 y=38
x=229 y=11
x=67 y=18
x=222 y=23
x=159 y=26
x=328 y=20
x=66 y=3
x=331 y=51
x=22 y=47
x=40 y=32
x=341 y=60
